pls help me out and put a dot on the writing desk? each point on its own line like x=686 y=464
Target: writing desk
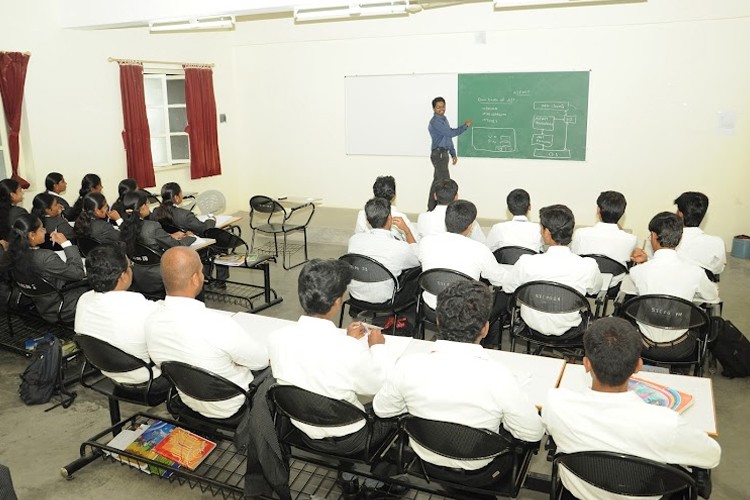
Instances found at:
x=201 y=243
x=298 y=201
x=701 y=413
x=222 y=221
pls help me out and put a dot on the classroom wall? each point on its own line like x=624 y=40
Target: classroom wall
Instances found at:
x=660 y=73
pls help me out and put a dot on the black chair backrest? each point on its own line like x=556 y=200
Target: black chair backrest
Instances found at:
x=199 y=383
x=511 y=254
x=265 y=205
x=33 y=285
x=665 y=312
x=626 y=474
x=86 y=244
x=169 y=227
x=455 y=441
x=145 y=256
x=607 y=264
x=226 y=242
x=436 y=280
x=551 y=298
x=107 y=357
x=368 y=270
x=313 y=409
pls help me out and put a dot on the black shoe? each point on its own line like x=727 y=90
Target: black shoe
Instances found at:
x=349 y=487
x=386 y=491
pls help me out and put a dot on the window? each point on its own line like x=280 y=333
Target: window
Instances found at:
x=167 y=118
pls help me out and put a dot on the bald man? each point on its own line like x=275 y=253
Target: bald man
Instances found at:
x=183 y=329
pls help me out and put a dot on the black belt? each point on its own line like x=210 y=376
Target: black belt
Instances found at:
x=440 y=150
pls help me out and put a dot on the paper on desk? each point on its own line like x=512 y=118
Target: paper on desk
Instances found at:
x=221 y=220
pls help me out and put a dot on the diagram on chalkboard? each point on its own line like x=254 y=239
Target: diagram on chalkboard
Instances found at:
x=550 y=123
x=496 y=140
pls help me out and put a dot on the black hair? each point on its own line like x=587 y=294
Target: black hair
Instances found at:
x=445 y=191
x=132 y=222
x=7 y=187
x=560 y=222
x=91 y=202
x=126 y=185
x=384 y=187
x=52 y=179
x=42 y=202
x=89 y=182
x=377 y=211
x=613 y=346
x=164 y=211
x=459 y=215
x=321 y=282
x=463 y=308
x=18 y=242
x=693 y=206
x=668 y=229
x=104 y=265
x=518 y=202
x=611 y=206
x=437 y=100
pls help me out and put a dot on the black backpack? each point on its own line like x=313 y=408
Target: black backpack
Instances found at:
x=42 y=376
x=732 y=349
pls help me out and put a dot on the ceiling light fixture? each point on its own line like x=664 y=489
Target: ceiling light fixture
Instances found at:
x=200 y=23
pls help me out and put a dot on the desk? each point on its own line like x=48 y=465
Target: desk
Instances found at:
x=201 y=243
x=701 y=414
x=222 y=221
x=298 y=201
x=535 y=374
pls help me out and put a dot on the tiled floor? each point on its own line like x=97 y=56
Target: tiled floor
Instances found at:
x=35 y=444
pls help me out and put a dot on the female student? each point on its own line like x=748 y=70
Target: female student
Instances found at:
x=31 y=262
x=47 y=208
x=11 y=194
x=56 y=186
x=169 y=212
x=125 y=186
x=136 y=228
x=90 y=183
x=93 y=220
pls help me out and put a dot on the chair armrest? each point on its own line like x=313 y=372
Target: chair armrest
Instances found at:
x=293 y=211
x=702 y=479
x=716 y=325
x=551 y=447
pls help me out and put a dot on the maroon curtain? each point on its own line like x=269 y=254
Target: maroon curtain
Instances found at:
x=12 y=78
x=201 y=118
x=136 y=136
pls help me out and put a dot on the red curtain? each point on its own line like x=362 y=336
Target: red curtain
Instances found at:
x=201 y=118
x=12 y=78
x=136 y=136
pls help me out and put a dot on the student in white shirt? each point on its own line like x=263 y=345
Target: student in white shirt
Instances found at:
x=385 y=187
x=668 y=273
x=519 y=231
x=605 y=237
x=608 y=417
x=705 y=250
x=111 y=313
x=475 y=391
x=183 y=329
x=394 y=254
x=444 y=191
x=557 y=264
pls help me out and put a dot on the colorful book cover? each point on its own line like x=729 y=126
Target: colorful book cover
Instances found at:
x=185 y=448
x=660 y=395
x=144 y=446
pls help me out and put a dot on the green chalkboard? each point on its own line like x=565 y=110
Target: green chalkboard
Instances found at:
x=524 y=115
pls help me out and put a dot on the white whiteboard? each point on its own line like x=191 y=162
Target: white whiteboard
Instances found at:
x=388 y=114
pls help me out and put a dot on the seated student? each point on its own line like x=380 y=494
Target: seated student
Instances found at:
x=184 y=329
x=11 y=195
x=705 y=250
x=111 y=313
x=92 y=221
x=125 y=186
x=444 y=191
x=137 y=229
x=90 y=183
x=557 y=264
x=170 y=213
x=608 y=417
x=31 y=261
x=668 y=273
x=605 y=237
x=396 y=255
x=519 y=231
x=315 y=355
x=49 y=211
x=56 y=186
x=385 y=187
x=455 y=250
x=475 y=391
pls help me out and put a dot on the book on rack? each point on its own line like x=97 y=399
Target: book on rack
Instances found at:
x=232 y=259
x=185 y=448
x=143 y=446
x=660 y=395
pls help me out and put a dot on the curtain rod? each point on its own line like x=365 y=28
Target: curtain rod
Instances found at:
x=142 y=61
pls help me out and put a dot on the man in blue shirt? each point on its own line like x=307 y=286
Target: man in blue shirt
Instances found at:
x=442 y=144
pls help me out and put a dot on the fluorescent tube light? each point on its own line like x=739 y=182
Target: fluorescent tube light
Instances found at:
x=201 y=23
x=354 y=10
x=504 y=4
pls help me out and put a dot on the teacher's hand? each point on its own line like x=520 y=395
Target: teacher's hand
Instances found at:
x=454 y=160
